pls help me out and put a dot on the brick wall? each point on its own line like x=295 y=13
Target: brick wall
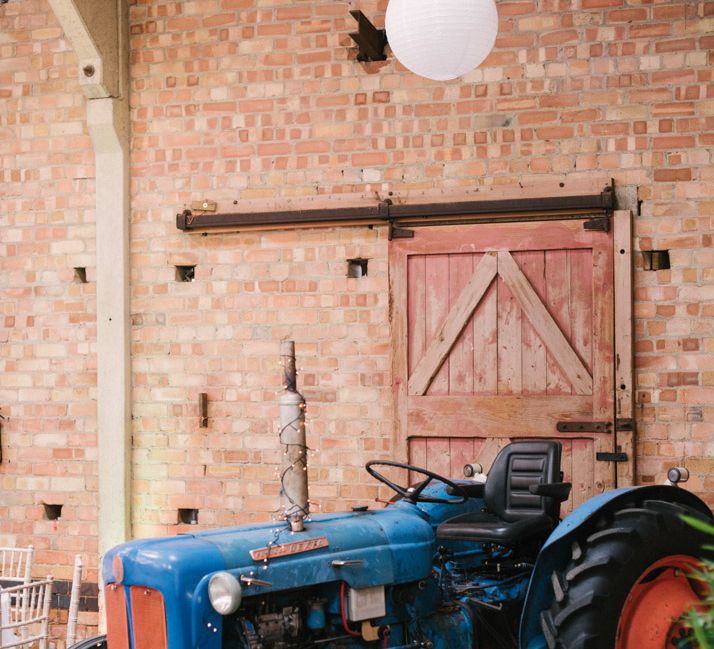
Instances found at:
x=220 y=334
x=260 y=105
x=265 y=108
x=47 y=322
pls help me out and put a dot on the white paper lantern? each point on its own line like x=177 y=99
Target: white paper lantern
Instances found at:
x=441 y=39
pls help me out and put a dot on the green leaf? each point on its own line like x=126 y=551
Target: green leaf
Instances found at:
x=699 y=524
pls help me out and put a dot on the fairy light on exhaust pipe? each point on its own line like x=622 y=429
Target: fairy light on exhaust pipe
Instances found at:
x=225 y=593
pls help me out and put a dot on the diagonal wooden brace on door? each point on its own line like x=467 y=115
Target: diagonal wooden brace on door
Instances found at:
x=504 y=265
x=459 y=315
x=544 y=325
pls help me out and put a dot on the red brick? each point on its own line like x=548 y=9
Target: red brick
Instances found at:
x=221 y=19
x=673 y=142
x=560 y=37
x=540 y=117
x=633 y=15
x=558 y=101
x=682 y=378
x=650 y=30
x=672 y=175
x=554 y=132
x=680 y=45
x=516 y=8
x=599 y=4
x=690 y=345
x=586 y=115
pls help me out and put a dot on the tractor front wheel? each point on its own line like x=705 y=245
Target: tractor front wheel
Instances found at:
x=628 y=582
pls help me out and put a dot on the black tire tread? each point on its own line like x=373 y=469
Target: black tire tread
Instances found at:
x=604 y=562
x=559 y=586
x=586 y=601
x=612 y=533
x=576 y=551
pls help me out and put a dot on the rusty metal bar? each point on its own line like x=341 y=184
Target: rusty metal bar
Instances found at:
x=424 y=214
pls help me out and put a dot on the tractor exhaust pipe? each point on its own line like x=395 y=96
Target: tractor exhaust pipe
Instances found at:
x=293 y=474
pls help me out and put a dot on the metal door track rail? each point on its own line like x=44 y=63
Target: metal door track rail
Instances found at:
x=519 y=209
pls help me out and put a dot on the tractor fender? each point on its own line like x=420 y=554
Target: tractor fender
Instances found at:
x=556 y=551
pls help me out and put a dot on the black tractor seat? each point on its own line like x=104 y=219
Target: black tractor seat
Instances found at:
x=522 y=497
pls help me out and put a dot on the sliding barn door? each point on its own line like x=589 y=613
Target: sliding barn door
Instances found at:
x=505 y=332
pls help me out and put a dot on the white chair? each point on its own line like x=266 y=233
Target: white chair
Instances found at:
x=16 y=565
x=15 y=568
x=74 y=602
x=25 y=615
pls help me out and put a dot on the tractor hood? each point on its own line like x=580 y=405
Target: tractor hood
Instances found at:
x=363 y=548
x=393 y=545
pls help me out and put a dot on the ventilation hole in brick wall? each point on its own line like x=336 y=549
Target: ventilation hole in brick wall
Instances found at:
x=356 y=268
x=655 y=259
x=188 y=516
x=185 y=273
x=52 y=512
x=80 y=275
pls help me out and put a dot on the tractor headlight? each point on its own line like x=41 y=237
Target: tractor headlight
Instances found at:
x=225 y=593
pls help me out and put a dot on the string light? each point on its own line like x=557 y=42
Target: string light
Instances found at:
x=301 y=460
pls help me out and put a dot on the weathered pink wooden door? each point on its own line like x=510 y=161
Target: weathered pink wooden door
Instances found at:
x=501 y=332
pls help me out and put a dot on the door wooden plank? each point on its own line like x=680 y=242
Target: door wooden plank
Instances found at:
x=399 y=288
x=543 y=323
x=444 y=338
x=438 y=457
x=485 y=331
x=493 y=415
x=533 y=356
x=566 y=466
x=417 y=456
x=625 y=440
x=582 y=475
x=449 y=240
x=437 y=311
x=581 y=305
x=416 y=307
x=603 y=325
x=557 y=279
x=509 y=345
x=462 y=453
x=461 y=358
x=417 y=451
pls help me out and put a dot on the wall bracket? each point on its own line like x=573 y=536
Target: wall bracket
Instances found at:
x=370 y=40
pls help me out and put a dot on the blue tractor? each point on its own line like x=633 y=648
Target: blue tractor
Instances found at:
x=446 y=565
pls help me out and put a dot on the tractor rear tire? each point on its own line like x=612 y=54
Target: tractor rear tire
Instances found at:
x=100 y=642
x=627 y=579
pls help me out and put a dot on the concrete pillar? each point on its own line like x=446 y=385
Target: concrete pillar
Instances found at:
x=98 y=31
x=108 y=125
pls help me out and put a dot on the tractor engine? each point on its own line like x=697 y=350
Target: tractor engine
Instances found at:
x=270 y=626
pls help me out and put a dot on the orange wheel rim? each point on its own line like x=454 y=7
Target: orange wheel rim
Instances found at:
x=651 y=615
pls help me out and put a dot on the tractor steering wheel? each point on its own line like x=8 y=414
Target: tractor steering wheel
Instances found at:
x=413 y=494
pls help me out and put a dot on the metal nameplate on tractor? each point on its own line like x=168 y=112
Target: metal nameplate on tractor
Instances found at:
x=286 y=549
